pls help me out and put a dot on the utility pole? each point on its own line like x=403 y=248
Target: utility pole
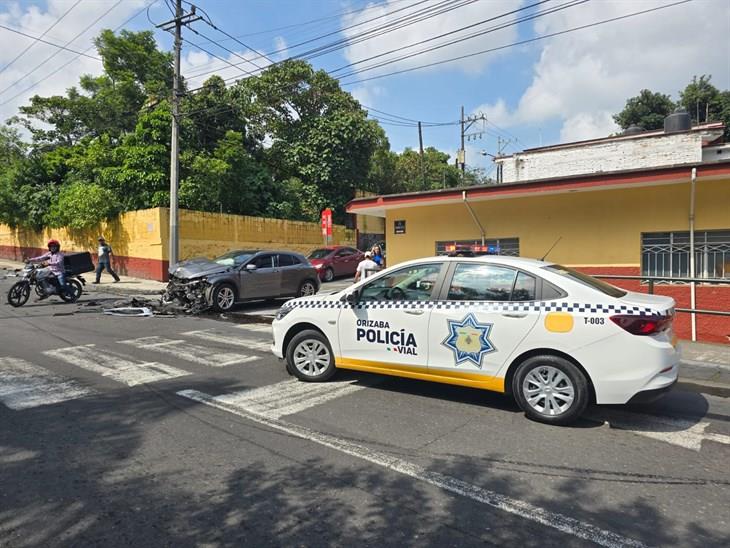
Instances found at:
x=181 y=19
x=466 y=124
x=420 y=148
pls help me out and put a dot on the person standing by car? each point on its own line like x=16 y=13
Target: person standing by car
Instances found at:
x=105 y=261
x=377 y=256
x=55 y=260
x=366 y=266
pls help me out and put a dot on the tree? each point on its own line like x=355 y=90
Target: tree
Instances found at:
x=706 y=103
x=647 y=110
x=319 y=134
x=80 y=205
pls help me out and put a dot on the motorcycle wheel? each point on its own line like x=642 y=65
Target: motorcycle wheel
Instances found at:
x=19 y=294
x=72 y=293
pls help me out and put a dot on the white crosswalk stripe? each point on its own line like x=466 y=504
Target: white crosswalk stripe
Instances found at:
x=24 y=385
x=258 y=327
x=190 y=352
x=116 y=366
x=215 y=336
x=288 y=397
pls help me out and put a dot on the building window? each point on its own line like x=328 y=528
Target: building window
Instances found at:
x=666 y=254
x=499 y=246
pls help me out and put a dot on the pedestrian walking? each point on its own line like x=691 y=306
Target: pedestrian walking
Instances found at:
x=366 y=267
x=105 y=261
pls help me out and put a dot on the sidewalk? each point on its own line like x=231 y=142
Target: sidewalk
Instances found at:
x=126 y=286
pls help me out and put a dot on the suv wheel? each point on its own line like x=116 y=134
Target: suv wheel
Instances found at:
x=550 y=389
x=224 y=297
x=309 y=356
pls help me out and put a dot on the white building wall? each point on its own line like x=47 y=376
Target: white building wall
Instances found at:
x=603 y=157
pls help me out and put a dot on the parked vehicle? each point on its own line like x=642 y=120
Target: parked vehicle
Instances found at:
x=45 y=284
x=553 y=338
x=241 y=275
x=334 y=261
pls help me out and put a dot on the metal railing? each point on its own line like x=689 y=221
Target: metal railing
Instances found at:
x=651 y=280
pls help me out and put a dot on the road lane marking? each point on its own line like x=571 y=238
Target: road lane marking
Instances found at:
x=681 y=432
x=523 y=509
x=218 y=337
x=259 y=327
x=190 y=352
x=289 y=397
x=117 y=367
x=24 y=385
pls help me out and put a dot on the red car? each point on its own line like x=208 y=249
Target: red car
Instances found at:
x=337 y=260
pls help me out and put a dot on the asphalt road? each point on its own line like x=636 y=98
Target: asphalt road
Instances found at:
x=187 y=432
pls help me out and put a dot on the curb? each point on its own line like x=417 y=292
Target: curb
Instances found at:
x=125 y=291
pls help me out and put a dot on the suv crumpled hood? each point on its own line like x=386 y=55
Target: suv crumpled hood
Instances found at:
x=195 y=268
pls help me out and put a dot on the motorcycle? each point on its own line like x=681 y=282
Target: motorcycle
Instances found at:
x=45 y=284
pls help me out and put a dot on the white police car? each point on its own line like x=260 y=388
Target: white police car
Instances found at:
x=554 y=338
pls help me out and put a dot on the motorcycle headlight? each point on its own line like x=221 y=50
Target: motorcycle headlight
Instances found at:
x=283 y=311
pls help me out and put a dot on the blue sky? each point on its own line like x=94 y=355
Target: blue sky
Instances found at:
x=554 y=90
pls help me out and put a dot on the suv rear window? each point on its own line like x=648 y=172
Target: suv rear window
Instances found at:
x=585 y=279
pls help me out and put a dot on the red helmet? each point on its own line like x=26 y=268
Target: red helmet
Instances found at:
x=53 y=242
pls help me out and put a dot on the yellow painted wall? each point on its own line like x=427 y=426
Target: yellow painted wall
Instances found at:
x=132 y=234
x=211 y=234
x=368 y=224
x=597 y=227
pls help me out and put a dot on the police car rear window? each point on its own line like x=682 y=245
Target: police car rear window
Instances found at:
x=585 y=279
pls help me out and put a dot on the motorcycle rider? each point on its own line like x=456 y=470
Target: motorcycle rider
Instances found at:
x=55 y=259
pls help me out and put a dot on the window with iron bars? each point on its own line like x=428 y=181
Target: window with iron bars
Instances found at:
x=500 y=246
x=666 y=254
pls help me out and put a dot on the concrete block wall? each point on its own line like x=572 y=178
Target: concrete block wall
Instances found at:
x=619 y=155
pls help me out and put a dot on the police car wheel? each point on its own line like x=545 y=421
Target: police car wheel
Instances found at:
x=550 y=389
x=310 y=357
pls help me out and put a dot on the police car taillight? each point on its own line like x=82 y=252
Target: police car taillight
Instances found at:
x=643 y=325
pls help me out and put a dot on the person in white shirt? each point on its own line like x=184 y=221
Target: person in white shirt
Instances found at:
x=366 y=266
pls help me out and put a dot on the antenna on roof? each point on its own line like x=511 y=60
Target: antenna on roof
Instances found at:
x=551 y=248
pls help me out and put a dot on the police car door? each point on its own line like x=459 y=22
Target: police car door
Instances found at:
x=388 y=327
x=486 y=311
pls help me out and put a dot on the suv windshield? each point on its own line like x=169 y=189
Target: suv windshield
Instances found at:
x=319 y=253
x=234 y=258
x=585 y=279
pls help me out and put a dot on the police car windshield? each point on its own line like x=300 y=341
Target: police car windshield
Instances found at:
x=585 y=279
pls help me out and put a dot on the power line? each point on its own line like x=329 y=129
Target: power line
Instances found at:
x=519 y=43
x=94 y=22
x=47 y=76
x=37 y=39
x=338 y=31
x=489 y=30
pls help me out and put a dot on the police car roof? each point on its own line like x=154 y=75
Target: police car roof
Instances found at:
x=499 y=259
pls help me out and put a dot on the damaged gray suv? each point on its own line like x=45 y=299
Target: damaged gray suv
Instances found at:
x=241 y=275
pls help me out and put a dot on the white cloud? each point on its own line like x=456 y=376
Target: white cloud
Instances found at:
x=34 y=20
x=399 y=39
x=367 y=95
x=584 y=77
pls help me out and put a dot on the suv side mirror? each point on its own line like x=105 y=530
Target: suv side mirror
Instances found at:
x=250 y=267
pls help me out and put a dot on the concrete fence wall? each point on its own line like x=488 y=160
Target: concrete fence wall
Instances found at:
x=140 y=239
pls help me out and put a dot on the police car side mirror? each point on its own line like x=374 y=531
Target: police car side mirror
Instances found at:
x=352 y=297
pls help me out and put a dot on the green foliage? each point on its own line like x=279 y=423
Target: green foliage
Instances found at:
x=706 y=103
x=647 y=110
x=80 y=205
